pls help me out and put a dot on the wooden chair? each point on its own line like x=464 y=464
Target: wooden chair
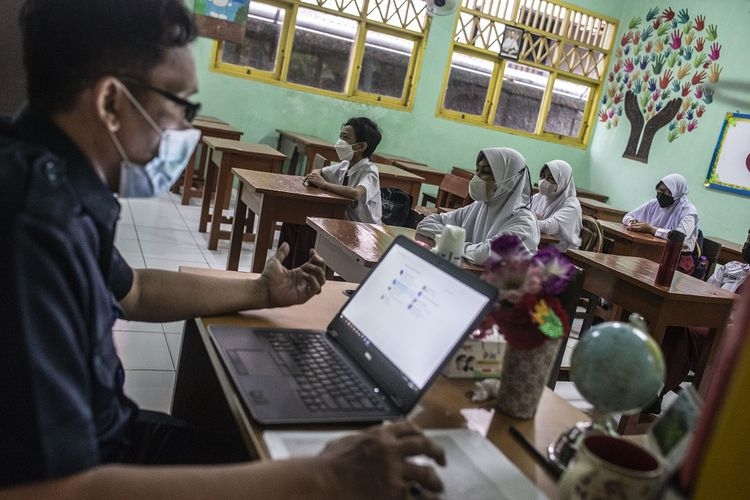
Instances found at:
x=452 y=193
x=711 y=249
x=460 y=172
x=319 y=161
x=592 y=236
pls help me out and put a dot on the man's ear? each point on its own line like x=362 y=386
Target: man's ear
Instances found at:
x=109 y=100
x=361 y=147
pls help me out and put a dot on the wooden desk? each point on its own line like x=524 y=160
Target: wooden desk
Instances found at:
x=629 y=282
x=208 y=128
x=580 y=193
x=293 y=144
x=275 y=198
x=226 y=155
x=353 y=248
x=379 y=157
x=430 y=175
x=729 y=250
x=205 y=395
x=600 y=210
x=633 y=243
x=391 y=176
x=207 y=118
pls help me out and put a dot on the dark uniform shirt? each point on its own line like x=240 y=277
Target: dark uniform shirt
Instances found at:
x=63 y=408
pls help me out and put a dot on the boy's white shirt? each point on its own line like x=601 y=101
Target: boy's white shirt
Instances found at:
x=363 y=173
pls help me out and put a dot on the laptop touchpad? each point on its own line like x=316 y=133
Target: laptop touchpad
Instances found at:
x=253 y=362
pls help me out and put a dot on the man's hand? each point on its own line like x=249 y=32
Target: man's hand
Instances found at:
x=641 y=227
x=314 y=178
x=285 y=287
x=376 y=463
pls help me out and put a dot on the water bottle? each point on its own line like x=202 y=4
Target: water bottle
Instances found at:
x=669 y=258
x=702 y=268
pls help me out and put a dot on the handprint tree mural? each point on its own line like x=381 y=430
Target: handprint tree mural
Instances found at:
x=662 y=77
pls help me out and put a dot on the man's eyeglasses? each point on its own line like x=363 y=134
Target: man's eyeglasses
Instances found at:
x=191 y=109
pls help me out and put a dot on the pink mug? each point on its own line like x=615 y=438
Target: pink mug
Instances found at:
x=611 y=467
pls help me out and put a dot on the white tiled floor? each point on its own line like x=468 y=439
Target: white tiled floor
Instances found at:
x=163 y=234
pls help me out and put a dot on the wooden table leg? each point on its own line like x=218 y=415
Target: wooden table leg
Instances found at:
x=208 y=192
x=263 y=240
x=223 y=187
x=238 y=232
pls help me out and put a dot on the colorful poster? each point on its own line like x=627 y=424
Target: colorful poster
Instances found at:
x=221 y=19
x=730 y=165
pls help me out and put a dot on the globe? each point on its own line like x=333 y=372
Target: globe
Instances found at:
x=617 y=367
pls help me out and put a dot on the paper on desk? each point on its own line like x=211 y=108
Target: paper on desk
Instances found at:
x=476 y=470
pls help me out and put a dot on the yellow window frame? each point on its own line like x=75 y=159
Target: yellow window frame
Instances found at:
x=492 y=98
x=286 y=41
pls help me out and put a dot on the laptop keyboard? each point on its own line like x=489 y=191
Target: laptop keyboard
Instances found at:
x=325 y=383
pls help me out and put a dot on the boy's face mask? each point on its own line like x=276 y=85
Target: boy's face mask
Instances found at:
x=344 y=150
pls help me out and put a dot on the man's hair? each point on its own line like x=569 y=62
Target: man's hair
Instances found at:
x=69 y=44
x=367 y=131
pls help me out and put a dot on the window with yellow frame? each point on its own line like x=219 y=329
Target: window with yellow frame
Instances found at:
x=365 y=50
x=543 y=81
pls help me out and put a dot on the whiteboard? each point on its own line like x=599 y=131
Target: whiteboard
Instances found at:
x=730 y=164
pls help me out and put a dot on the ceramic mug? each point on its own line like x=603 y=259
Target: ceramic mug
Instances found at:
x=611 y=467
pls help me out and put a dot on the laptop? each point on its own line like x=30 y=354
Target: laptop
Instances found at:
x=378 y=355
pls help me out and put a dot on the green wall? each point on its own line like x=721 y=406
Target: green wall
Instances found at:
x=259 y=109
x=630 y=183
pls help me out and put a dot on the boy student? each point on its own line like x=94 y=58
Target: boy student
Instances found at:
x=109 y=86
x=354 y=177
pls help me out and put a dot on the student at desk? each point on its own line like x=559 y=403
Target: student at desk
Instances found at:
x=355 y=177
x=556 y=206
x=109 y=111
x=502 y=190
x=670 y=210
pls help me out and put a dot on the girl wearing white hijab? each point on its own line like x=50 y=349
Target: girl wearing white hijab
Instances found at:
x=556 y=207
x=669 y=210
x=502 y=190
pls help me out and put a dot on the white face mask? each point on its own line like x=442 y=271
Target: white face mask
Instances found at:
x=158 y=175
x=344 y=150
x=480 y=189
x=546 y=188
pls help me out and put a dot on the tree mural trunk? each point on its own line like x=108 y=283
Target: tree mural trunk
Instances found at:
x=633 y=112
x=659 y=120
x=644 y=134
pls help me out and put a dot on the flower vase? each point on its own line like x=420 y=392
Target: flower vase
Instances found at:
x=523 y=377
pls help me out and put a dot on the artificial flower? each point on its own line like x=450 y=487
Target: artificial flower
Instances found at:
x=528 y=311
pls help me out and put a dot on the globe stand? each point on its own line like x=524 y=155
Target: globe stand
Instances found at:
x=610 y=355
x=562 y=450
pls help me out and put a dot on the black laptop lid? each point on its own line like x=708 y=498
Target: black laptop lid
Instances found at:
x=407 y=318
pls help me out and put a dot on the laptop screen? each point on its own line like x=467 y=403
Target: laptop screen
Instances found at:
x=413 y=312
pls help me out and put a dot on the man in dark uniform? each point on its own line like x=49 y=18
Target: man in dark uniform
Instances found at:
x=109 y=86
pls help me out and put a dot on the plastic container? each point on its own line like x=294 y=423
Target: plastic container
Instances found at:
x=702 y=268
x=669 y=258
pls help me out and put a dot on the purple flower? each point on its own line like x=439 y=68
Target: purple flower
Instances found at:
x=557 y=271
x=522 y=279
